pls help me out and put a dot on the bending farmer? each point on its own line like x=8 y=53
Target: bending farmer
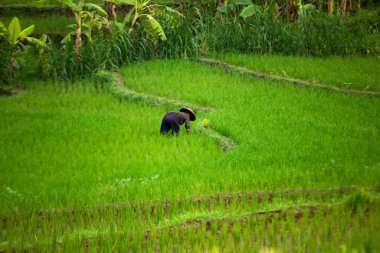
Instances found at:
x=172 y=121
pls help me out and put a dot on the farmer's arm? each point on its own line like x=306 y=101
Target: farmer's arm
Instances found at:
x=187 y=125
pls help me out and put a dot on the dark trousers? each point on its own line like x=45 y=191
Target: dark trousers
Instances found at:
x=170 y=122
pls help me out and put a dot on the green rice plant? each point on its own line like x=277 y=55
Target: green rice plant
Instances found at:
x=322 y=140
x=104 y=226
x=197 y=96
x=96 y=135
x=359 y=72
x=236 y=234
x=164 y=238
x=223 y=234
x=269 y=229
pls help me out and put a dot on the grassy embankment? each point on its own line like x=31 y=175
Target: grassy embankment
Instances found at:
x=353 y=72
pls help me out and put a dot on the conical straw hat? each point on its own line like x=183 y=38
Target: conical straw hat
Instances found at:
x=192 y=114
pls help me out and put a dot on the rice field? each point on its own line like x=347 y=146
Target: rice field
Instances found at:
x=258 y=222
x=349 y=72
x=84 y=168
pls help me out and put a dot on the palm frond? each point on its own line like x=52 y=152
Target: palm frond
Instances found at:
x=157 y=28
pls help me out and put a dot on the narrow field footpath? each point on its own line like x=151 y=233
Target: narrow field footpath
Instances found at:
x=285 y=80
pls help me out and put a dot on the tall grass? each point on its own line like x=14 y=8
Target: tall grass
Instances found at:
x=319 y=35
x=112 y=50
x=200 y=34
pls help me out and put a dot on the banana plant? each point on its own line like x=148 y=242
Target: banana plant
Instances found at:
x=304 y=9
x=13 y=35
x=249 y=9
x=146 y=12
x=87 y=17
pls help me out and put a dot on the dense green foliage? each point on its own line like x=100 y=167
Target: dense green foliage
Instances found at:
x=199 y=33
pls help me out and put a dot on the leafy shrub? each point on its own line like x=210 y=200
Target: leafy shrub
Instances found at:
x=199 y=33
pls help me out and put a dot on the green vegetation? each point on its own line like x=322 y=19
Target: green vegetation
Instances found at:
x=213 y=222
x=39 y=2
x=209 y=87
x=204 y=31
x=78 y=147
x=57 y=24
x=268 y=166
x=285 y=144
x=91 y=150
x=266 y=32
x=13 y=36
x=349 y=72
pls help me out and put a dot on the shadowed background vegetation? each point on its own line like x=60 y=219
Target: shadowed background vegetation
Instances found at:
x=269 y=27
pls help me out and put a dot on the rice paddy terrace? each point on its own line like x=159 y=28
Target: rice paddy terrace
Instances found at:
x=280 y=168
